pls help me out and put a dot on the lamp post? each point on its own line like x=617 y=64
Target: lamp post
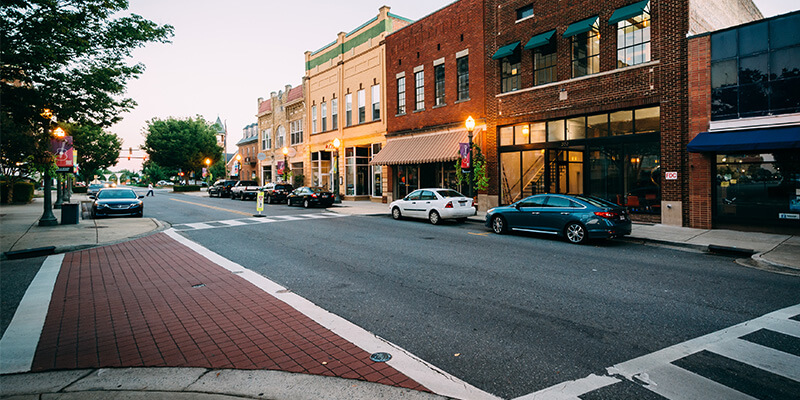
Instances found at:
x=60 y=182
x=47 y=218
x=238 y=165
x=207 y=161
x=336 y=144
x=285 y=162
x=470 y=128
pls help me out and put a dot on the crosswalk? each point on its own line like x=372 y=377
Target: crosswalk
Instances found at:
x=757 y=359
x=253 y=221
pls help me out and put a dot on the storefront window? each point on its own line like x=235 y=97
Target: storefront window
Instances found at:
x=648 y=120
x=377 y=189
x=357 y=174
x=576 y=128
x=320 y=169
x=597 y=126
x=621 y=123
x=511 y=177
x=555 y=131
x=507 y=136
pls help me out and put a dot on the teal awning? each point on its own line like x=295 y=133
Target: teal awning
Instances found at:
x=540 y=40
x=628 y=11
x=581 y=27
x=505 y=51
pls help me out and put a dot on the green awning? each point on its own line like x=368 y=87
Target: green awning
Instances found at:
x=581 y=27
x=505 y=51
x=540 y=40
x=628 y=11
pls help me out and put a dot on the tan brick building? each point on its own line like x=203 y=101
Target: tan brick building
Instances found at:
x=281 y=124
x=346 y=100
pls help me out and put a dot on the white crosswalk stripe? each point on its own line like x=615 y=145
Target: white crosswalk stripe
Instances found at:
x=657 y=373
x=253 y=221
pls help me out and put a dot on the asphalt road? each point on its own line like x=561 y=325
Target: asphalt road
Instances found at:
x=510 y=314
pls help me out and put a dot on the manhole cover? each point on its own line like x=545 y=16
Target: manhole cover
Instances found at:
x=199 y=285
x=380 y=357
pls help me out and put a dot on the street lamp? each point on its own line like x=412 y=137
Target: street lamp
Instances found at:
x=285 y=162
x=47 y=218
x=61 y=184
x=336 y=144
x=208 y=165
x=470 y=128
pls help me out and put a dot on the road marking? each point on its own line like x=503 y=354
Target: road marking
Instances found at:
x=570 y=390
x=676 y=383
x=199 y=225
x=479 y=234
x=426 y=374
x=214 y=208
x=18 y=345
x=252 y=221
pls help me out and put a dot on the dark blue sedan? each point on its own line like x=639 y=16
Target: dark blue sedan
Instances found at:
x=577 y=218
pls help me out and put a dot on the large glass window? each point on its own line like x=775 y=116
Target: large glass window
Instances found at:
x=438 y=84
x=280 y=136
x=323 y=114
x=296 y=131
x=375 y=96
x=509 y=72
x=462 y=67
x=334 y=114
x=362 y=110
x=401 y=95
x=585 y=53
x=357 y=175
x=525 y=12
x=633 y=39
x=377 y=174
x=419 y=90
x=755 y=69
x=267 y=143
x=348 y=109
x=544 y=64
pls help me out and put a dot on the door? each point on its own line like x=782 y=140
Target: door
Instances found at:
x=566 y=171
x=411 y=204
x=528 y=214
x=559 y=211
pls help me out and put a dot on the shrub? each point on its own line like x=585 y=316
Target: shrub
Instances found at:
x=186 y=188
x=23 y=192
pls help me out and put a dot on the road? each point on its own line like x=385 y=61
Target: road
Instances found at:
x=510 y=314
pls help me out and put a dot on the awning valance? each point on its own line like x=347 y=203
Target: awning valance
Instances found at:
x=422 y=149
x=754 y=140
x=505 y=51
x=581 y=26
x=628 y=11
x=540 y=40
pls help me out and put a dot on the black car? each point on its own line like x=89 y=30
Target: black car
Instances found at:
x=221 y=188
x=574 y=217
x=310 y=196
x=276 y=192
x=117 y=201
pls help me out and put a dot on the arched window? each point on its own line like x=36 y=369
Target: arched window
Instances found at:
x=280 y=136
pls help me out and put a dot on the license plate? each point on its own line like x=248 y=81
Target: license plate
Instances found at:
x=622 y=218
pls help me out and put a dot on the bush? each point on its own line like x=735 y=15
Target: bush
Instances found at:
x=23 y=192
x=79 y=189
x=186 y=188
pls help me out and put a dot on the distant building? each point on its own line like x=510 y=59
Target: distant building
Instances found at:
x=246 y=160
x=281 y=125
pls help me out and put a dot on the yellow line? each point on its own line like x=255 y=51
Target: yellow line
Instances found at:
x=215 y=208
x=479 y=234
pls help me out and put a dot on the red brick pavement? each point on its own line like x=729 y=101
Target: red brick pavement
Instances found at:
x=133 y=305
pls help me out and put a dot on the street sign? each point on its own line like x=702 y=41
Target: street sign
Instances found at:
x=259 y=204
x=261 y=156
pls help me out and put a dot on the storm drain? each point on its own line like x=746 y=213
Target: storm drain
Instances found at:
x=380 y=357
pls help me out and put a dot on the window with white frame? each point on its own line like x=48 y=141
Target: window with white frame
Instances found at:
x=462 y=72
x=296 y=131
x=375 y=96
x=419 y=90
x=323 y=116
x=401 y=95
x=313 y=119
x=438 y=85
x=280 y=136
x=334 y=114
x=348 y=109
x=362 y=107
x=266 y=144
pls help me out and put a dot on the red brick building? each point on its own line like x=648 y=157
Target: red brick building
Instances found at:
x=591 y=97
x=435 y=81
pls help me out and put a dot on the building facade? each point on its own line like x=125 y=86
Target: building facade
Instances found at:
x=245 y=162
x=591 y=97
x=435 y=81
x=281 y=126
x=346 y=100
x=744 y=127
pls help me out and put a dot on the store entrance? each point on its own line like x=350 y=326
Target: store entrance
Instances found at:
x=565 y=169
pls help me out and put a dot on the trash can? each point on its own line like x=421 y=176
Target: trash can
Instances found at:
x=70 y=213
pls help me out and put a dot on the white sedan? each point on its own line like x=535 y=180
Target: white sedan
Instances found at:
x=433 y=204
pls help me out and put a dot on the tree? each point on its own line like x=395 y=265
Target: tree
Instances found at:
x=182 y=144
x=153 y=172
x=480 y=179
x=97 y=149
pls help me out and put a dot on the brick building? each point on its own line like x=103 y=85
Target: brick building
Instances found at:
x=744 y=126
x=281 y=124
x=435 y=80
x=246 y=162
x=345 y=101
x=591 y=97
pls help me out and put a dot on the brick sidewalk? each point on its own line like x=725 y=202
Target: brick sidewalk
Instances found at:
x=135 y=304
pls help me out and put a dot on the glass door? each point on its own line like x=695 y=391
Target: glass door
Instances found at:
x=565 y=171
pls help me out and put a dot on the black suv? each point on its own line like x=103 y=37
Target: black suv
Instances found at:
x=276 y=192
x=221 y=188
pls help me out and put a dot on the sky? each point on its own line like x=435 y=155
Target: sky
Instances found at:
x=227 y=54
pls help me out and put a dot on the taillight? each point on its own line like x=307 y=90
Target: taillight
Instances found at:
x=314 y=195
x=449 y=204
x=606 y=214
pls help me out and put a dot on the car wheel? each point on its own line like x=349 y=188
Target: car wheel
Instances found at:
x=396 y=213
x=499 y=225
x=306 y=203
x=434 y=217
x=575 y=233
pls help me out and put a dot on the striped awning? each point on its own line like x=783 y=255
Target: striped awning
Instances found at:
x=423 y=148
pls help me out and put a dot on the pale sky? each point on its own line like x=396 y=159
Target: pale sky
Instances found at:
x=227 y=54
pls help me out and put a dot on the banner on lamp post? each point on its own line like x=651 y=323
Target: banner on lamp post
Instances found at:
x=63 y=150
x=463 y=150
x=279 y=165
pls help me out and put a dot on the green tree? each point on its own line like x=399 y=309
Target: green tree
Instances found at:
x=97 y=149
x=217 y=169
x=182 y=144
x=153 y=172
x=480 y=179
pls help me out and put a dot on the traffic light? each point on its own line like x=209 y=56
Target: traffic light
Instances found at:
x=130 y=152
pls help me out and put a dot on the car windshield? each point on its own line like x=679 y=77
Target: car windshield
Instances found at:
x=116 y=194
x=317 y=189
x=449 y=193
x=596 y=201
x=95 y=186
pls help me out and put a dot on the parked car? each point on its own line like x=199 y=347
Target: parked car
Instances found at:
x=576 y=218
x=276 y=192
x=221 y=188
x=94 y=188
x=433 y=204
x=164 y=183
x=117 y=201
x=310 y=196
x=244 y=190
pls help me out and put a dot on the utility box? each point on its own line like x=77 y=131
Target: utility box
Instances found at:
x=70 y=213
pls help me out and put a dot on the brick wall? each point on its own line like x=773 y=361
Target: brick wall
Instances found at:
x=700 y=165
